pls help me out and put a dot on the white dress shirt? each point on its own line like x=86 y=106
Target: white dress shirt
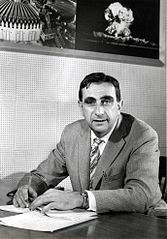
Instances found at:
x=91 y=197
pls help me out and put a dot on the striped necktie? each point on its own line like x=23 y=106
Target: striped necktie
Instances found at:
x=94 y=155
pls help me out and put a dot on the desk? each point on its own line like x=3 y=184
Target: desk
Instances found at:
x=107 y=226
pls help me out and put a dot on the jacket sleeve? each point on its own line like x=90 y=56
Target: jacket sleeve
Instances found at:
x=141 y=187
x=49 y=172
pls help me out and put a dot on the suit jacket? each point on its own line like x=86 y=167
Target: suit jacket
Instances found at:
x=126 y=178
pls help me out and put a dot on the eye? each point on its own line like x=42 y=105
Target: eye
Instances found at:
x=90 y=101
x=107 y=102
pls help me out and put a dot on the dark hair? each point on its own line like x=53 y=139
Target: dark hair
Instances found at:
x=99 y=77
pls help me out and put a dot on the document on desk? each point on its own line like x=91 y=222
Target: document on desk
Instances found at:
x=12 y=208
x=51 y=221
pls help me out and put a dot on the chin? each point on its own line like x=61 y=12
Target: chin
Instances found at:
x=100 y=133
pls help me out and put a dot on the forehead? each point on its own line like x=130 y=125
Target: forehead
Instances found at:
x=99 y=90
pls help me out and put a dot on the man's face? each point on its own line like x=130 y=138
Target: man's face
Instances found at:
x=100 y=107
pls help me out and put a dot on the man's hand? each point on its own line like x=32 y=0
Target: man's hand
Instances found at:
x=57 y=199
x=24 y=196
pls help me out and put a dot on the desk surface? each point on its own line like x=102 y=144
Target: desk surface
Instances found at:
x=107 y=226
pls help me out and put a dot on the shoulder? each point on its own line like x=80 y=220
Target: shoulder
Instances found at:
x=141 y=129
x=141 y=136
x=136 y=128
x=79 y=124
x=142 y=126
x=76 y=127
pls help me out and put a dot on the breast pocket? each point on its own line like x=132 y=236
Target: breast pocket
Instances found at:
x=115 y=181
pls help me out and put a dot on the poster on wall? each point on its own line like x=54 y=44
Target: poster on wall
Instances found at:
x=38 y=22
x=121 y=27
x=126 y=27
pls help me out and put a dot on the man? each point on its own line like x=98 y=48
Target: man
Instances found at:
x=120 y=175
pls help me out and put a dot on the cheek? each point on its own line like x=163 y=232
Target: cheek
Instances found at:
x=112 y=113
x=86 y=113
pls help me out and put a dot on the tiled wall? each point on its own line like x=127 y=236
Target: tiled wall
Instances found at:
x=38 y=97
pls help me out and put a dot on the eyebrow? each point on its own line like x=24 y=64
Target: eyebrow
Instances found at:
x=105 y=97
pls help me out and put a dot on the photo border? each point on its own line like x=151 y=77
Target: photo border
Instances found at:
x=74 y=53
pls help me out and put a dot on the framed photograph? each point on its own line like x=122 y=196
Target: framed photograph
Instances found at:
x=118 y=30
x=38 y=22
x=125 y=27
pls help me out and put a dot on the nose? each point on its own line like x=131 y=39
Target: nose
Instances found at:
x=99 y=110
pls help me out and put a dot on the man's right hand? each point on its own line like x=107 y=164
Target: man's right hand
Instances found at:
x=24 y=195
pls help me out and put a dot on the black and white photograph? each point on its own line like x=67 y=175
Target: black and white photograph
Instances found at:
x=125 y=27
x=83 y=119
x=38 y=22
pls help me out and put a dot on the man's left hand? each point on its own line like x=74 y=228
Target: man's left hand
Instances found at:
x=57 y=199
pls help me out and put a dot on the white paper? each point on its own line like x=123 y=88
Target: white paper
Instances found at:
x=54 y=220
x=73 y=215
x=12 y=208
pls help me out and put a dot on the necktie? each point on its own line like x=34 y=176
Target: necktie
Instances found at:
x=94 y=155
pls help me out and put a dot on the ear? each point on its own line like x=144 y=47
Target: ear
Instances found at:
x=120 y=104
x=80 y=104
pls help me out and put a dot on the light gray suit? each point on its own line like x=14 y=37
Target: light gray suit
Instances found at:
x=126 y=178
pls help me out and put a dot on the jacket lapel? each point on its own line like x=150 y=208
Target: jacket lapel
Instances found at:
x=115 y=144
x=108 y=157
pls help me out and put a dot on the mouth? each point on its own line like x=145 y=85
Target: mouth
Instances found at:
x=100 y=121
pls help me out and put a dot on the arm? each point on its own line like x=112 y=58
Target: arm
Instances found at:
x=48 y=174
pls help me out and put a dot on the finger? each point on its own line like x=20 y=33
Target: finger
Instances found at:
x=27 y=195
x=15 y=203
x=23 y=196
x=20 y=197
x=18 y=201
x=39 y=201
x=52 y=205
x=47 y=197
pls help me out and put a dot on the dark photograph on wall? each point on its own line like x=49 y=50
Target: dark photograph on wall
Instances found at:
x=122 y=27
x=125 y=27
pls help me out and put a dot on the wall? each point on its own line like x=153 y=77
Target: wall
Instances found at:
x=38 y=97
